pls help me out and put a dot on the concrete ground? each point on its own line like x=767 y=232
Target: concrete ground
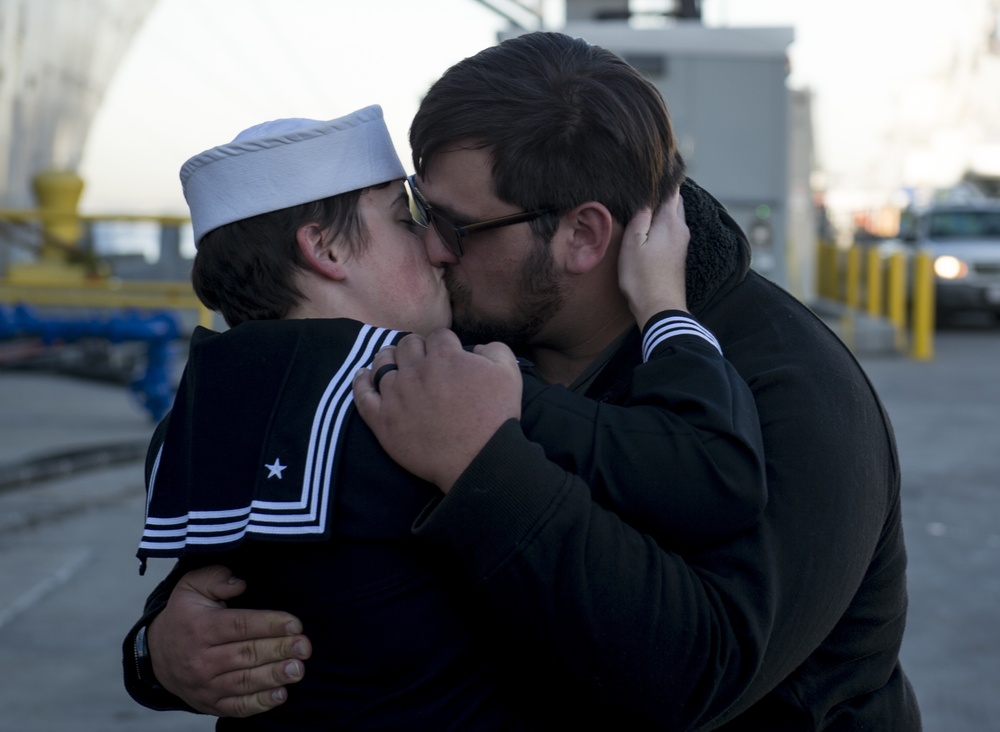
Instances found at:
x=946 y=415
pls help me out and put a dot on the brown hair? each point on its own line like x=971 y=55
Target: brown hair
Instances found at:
x=565 y=122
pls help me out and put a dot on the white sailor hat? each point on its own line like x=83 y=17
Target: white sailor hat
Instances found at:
x=287 y=162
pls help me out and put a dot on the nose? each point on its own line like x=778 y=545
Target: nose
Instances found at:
x=437 y=252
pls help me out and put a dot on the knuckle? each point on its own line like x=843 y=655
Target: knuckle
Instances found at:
x=244 y=683
x=239 y=624
x=238 y=707
x=248 y=654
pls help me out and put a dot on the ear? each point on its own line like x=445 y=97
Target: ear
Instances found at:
x=320 y=251
x=584 y=236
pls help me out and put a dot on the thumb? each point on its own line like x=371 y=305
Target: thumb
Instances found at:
x=215 y=583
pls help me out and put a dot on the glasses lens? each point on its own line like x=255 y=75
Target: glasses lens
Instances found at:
x=427 y=216
x=418 y=210
x=447 y=231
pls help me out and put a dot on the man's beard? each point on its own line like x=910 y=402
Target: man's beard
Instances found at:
x=539 y=298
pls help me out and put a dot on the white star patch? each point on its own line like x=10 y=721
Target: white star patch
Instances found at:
x=275 y=468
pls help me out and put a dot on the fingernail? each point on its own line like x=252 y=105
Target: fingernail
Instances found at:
x=278 y=695
x=233 y=579
x=293 y=669
x=299 y=648
x=292 y=628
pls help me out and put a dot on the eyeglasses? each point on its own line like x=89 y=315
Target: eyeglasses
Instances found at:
x=451 y=233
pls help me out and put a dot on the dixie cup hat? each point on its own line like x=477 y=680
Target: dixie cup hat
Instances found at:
x=287 y=162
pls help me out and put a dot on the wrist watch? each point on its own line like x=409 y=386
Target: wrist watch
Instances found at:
x=143 y=661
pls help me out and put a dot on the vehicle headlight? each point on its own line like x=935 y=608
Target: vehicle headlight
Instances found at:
x=948 y=267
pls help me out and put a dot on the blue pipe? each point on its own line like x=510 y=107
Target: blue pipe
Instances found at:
x=158 y=330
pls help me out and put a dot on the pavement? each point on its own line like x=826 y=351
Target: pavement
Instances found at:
x=71 y=507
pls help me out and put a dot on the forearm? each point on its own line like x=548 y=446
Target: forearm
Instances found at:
x=140 y=682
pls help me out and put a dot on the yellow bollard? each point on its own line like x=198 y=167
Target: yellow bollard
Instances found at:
x=897 y=299
x=853 y=277
x=923 y=307
x=874 y=282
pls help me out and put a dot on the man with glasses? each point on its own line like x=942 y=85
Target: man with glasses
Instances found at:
x=796 y=623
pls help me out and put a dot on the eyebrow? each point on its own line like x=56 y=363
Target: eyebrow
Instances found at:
x=457 y=218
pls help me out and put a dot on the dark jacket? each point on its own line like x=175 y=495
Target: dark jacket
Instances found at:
x=794 y=624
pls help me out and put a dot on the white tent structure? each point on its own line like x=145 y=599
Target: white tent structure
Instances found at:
x=56 y=60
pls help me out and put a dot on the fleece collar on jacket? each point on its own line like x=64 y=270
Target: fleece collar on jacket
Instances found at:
x=718 y=254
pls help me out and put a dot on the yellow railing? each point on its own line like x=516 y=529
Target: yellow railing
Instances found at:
x=55 y=279
x=847 y=275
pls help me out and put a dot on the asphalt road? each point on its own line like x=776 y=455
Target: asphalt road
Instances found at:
x=946 y=415
x=69 y=586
